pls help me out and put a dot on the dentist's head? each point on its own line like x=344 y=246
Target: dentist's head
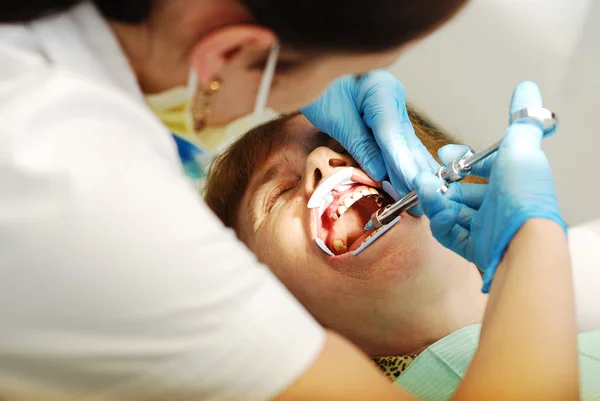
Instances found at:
x=226 y=43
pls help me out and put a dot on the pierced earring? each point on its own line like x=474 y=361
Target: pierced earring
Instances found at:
x=203 y=101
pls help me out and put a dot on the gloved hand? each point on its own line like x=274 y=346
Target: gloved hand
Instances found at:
x=479 y=221
x=368 y=116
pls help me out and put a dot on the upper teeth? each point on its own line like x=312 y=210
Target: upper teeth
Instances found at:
x=340 y=181
x=351 y=200
x=321 y=197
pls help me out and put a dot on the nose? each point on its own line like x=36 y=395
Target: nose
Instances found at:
x=321 y=163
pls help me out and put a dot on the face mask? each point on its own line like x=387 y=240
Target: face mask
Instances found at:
x=197 y=148
x=174 y=108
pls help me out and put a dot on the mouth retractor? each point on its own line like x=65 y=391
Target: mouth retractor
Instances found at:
x=322 y=198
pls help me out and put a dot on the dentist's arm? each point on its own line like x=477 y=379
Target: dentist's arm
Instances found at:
x=527 y=349
x=512 y=230
x=343 y=372
x=511 y=226
x=529 y=323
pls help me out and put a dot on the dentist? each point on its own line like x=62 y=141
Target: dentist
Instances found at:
x=116 y=281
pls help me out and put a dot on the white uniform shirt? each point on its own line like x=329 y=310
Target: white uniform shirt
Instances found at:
x=116 y=280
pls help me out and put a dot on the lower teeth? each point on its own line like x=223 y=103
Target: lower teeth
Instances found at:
x=339 y=246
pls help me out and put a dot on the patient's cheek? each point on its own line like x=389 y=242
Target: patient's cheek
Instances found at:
x=404 y=258
x=279 y=252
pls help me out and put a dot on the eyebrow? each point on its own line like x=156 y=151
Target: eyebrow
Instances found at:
x=267 y=176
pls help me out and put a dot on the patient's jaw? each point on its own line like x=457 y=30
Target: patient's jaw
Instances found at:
x=393 y=298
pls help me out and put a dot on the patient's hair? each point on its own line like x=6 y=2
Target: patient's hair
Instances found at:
x=231 y=172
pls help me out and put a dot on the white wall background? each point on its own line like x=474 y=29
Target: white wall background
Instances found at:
x=463 y=76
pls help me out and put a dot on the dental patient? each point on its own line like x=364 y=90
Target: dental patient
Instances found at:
x=395 y=299
x=398 y=296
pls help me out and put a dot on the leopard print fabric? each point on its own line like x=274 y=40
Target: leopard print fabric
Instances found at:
x=393 y=366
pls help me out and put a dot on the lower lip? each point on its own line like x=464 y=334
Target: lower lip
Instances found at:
x=359 y=242
x=376 y=235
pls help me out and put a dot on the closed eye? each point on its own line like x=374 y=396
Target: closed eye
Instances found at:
x=277 y=193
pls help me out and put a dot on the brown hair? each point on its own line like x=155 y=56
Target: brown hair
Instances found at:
x=231 y=172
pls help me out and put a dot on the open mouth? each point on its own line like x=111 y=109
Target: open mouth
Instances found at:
x=342 y=205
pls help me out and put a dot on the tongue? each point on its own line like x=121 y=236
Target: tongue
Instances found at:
x=350 y=227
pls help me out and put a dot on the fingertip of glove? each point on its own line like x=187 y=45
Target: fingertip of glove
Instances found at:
x=527 y=94
x=385 y=77
x=307 y=110
x=375 y=169
x=451 y=152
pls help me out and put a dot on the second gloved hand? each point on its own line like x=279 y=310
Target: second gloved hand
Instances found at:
x=368 y=116
x=479 y=221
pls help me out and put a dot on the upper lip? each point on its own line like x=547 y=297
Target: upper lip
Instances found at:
x=346 y=176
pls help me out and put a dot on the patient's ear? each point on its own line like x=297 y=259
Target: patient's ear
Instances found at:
x=226 y=46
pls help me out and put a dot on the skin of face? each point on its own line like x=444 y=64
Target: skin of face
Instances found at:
x=237 y=95
x=216 y=38
x=403 y=275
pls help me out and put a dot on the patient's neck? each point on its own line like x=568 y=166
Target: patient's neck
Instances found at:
x=445 y=297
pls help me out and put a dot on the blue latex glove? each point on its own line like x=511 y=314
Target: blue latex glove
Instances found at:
x=368 y=116
x=479 y=221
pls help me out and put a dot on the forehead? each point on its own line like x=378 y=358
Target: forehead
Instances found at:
x=299 y=133
x=298 y=138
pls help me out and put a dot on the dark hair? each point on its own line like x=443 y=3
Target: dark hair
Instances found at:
x=351 y=25
x=129 y=11
x=307 y=25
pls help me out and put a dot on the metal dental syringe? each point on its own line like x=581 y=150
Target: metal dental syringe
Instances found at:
x=461 y=168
